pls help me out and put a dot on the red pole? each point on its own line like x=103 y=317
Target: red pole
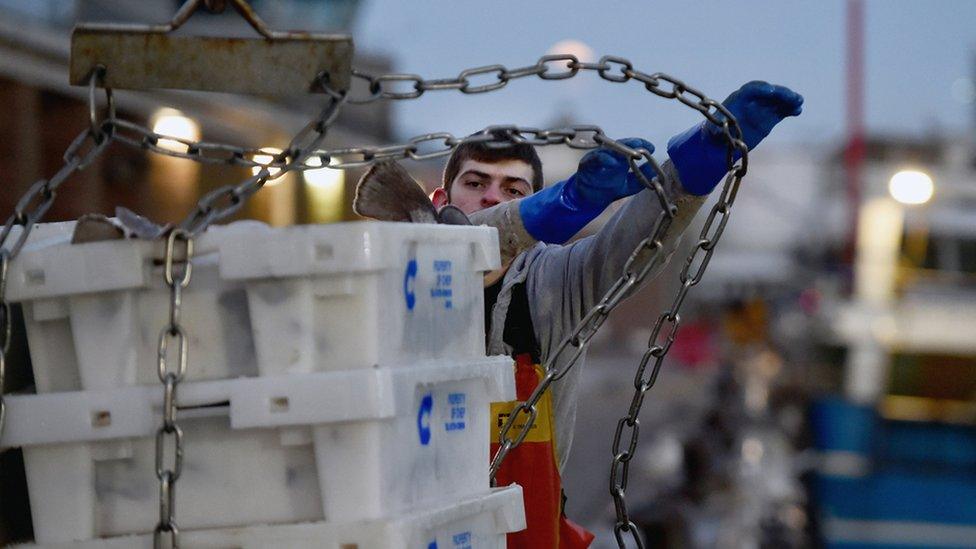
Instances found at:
x=854 y=153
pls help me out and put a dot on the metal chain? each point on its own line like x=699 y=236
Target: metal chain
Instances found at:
x=177 y=271
x=228 y=199
x=32 y=206
x=216 y=205
x=689 y=276
x=643 y=258
x=6 y=330
x=641 y=261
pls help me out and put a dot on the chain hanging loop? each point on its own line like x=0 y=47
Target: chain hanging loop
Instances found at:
x=6 y=330
x=35 y=203
x=177 y=271
x=94 y=125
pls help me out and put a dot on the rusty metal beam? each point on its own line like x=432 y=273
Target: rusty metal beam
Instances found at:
x=141 y=57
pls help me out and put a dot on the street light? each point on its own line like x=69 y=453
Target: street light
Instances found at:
x=172 y=123
x=322 y=177
x=911 y=187
x=573 y=47
x=266 y=159
x=324 y=192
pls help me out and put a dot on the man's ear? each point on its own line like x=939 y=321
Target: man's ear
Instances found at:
x=439 y=197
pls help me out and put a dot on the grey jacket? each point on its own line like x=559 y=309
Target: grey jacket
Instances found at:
x=564 y=282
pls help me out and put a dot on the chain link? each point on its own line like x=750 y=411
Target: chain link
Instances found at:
x=657 y=350
x=6 y=325
x=97 y=129
x=177 y=270
x=31 y=208
x=210 y=208
x=557 y=67
x=306 y=147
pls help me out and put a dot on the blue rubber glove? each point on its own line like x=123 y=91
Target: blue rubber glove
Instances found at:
x=558 y=212
x=699 y=154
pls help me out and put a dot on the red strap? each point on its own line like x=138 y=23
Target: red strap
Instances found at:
x=533 y=466
x=572 y=535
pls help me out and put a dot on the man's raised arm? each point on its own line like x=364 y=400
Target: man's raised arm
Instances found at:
x=567 y=282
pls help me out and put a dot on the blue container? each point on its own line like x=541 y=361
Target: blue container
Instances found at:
x=897 y=511
x=921 y=492
x=839 y=425
x=927 y=446
x=899 y=497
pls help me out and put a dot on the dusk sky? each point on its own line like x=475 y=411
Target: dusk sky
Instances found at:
x=920 y=61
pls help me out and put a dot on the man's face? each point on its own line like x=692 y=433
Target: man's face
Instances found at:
x=481 y=185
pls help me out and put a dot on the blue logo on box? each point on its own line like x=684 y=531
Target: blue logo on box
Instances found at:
x=462 y=540
x=408 y=281
x=423 y=418
x=458 y=412
x=443 y=288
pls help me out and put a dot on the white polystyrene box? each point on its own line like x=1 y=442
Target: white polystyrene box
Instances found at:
x=261 y=301
x=477 y=522
x=362 y=294
x=328 y=446
x=93 y=312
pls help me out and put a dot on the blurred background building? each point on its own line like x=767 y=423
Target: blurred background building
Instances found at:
x=822 y=389
x=39 y=103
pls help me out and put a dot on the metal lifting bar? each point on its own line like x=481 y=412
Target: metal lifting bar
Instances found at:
x=151 y=57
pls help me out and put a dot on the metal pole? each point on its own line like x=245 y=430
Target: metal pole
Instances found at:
x=854 y=153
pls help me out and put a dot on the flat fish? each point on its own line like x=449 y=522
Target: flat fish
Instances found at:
x=125 y=224
x=388 y=193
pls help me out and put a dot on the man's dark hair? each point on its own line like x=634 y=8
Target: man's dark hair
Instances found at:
x=482 y=153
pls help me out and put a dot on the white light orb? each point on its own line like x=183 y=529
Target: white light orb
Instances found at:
x=266 y=157
x=323 y=178
x=173 y=123
x=573 y=47
x=911 y=187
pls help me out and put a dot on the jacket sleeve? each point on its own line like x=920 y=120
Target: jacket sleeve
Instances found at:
x=565 y=282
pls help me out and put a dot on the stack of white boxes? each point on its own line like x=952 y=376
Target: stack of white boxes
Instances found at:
x=337 y=393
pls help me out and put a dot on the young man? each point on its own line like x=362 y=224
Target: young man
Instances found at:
x=543 y=293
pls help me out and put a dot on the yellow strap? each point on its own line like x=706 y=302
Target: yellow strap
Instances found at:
x=541 y=430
